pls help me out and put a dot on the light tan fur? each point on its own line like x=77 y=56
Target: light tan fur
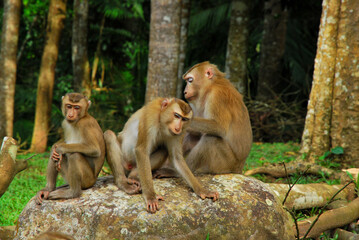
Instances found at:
x=219 y=138
x=151 y=135
x=78 y=157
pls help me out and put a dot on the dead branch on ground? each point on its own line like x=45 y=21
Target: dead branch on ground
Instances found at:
x=9 y=167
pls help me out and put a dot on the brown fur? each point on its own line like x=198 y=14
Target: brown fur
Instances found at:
x=220 y=136
x=160 y=133
x=79 y=156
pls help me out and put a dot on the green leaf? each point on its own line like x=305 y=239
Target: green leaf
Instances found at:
x=350 y=175
x=337 y=150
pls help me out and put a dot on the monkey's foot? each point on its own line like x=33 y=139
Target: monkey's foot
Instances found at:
x=64 y=194
x=208 y=194
x=164 y=173
x=153 y=204
x=130 y=186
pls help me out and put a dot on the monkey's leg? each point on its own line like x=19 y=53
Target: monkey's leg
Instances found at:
x=190 y=141
x=51 y=176
x=113 y=155
x=79 y=175
x=212 y=155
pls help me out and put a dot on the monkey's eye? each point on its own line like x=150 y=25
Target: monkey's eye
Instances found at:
x=190 y=80
x=77 y=107
x=177 y=116
x=68 y=106
x=185 y=119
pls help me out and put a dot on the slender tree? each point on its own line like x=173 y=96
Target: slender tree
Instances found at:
x=9 y=42
x=185 y=13
x=55 y=24
x=80 y=63
x=236 y=57
x=164 y=48
x=272 y=49
x=333 y=117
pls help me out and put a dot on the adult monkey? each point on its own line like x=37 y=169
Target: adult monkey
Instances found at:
x=152 y=134
x=79 y=156
x=219 y=138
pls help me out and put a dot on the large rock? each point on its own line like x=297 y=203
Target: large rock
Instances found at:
x=247 y=209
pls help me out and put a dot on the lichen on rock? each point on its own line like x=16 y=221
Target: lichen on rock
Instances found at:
x=247 y=209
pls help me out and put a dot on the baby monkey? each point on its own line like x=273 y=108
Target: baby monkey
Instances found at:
x=151 y=135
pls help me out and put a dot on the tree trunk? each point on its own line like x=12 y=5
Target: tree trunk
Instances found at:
x=163 y=59
x=55 y=19
x=236 y=59
x=185 y=13
x=9 y=42
x=272 y=50
x=80 y=63
x=333 y=117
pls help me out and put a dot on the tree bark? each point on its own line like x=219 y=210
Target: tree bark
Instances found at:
x=236 y=57
x=80 y=62
x=56 y=17
x=272 y=49
x=333 y=117
x=185 y=13
x=163 y=59
x=9 y=42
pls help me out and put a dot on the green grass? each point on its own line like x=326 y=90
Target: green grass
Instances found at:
x=24 y=186
x=271 y=153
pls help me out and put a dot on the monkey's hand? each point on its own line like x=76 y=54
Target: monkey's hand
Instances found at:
x=41 y=195
x=57 y=158
x=60 y=148
x=130 y=186
x=152 y=203
x=208 y=194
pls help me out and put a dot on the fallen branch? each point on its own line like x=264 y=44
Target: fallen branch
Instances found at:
x=314 y=226
x=9 y=167
x=293 y=167
x=304 y=196
x=345 y=235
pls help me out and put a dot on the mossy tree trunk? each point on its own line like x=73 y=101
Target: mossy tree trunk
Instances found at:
x=333 y=117
x=80 y=62
x=236 y=57
x=55 y=24
x=164 y=45
x=185 y=13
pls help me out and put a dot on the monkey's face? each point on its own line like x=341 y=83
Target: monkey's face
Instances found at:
x=175 y=119
x=73 y=111
x=197 y=82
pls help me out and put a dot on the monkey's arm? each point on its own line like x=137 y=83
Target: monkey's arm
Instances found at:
x=145 y=175
x=208 y=126
x=92 y=150
x=181 y=166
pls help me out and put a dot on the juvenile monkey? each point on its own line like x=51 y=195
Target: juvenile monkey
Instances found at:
x=79 y=156
x=152 y=134
x=219 y=138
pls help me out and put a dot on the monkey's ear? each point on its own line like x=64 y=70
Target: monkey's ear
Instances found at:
x=89 y=103
x=209 y=73
x=62 y=98
x=164 y=104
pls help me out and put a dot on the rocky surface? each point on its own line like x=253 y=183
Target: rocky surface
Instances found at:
x=247 y=209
